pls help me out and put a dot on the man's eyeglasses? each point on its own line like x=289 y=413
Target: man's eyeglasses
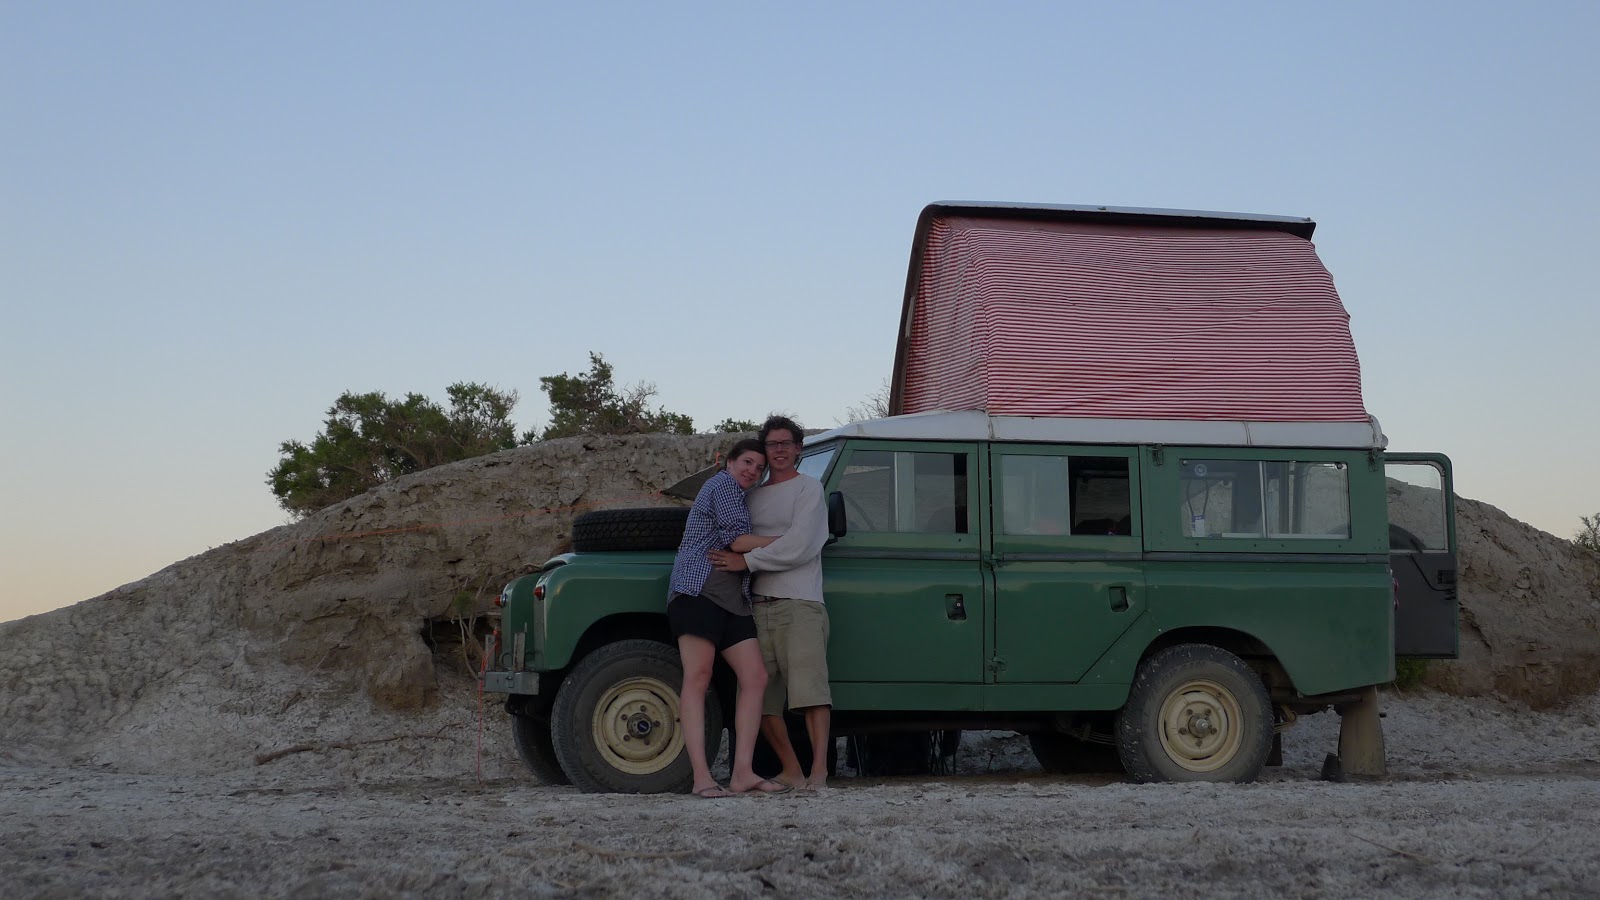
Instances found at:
x=781 y=445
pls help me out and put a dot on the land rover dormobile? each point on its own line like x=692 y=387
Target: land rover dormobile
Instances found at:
x=1115 y=543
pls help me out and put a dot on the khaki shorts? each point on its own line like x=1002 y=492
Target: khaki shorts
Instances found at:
x=794 y=645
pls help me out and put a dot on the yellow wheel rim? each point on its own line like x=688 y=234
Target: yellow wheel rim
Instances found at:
x=1202 y=726
x=636 y=726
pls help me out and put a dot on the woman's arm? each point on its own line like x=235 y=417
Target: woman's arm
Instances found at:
x=744 y=543
x=730 y=516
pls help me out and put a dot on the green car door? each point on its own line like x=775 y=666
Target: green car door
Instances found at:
x=1066 y=543
x=905 y=586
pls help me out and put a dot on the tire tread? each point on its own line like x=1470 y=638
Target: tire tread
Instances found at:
x=636 y=529
x=535 y=744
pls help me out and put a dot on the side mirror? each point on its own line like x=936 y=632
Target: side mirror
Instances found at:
x=836 y=523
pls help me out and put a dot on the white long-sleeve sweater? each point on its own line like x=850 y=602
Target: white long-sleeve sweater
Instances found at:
x=790 y=566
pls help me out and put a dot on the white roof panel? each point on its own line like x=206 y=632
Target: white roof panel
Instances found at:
x=976 y=425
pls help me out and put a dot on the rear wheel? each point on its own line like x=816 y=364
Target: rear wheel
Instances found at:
x=1196 y=713
x=615 y=725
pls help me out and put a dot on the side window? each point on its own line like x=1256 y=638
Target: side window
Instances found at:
x=1050 y=495
x=1416 y=507
x=1033 y=495
x=816 y=462
x=1101 y=501
x=1246 y=498
x=906 y=491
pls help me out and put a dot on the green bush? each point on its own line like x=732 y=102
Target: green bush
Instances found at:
x=1588 y=537
x=1408 y=672
x=369 y=439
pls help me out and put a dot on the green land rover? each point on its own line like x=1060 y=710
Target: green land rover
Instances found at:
x=1130 y=504
x=1180 y=597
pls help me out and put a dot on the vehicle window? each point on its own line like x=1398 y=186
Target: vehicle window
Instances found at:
x=1101 y=500
x=1047 y=495
x=895 y=490
x=1232 y=498
x=816 y=464
x=1033 y=495
x=1416 y=506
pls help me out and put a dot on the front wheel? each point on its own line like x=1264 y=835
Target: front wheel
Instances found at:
x=615 y=724
x=531 y=731
x=1196 y=713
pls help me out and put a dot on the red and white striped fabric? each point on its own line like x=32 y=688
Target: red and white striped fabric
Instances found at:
x=1076 y=319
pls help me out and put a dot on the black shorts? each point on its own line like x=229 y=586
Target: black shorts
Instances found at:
x=701 y=617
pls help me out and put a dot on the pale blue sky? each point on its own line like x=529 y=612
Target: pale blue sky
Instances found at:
x=214 y=218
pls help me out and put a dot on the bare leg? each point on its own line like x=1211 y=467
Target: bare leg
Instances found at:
x=819 y=725
x=776 y=731
x=698 y=656
x=745 y=660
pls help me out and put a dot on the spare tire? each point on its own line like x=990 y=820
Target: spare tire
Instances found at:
x=646 y=528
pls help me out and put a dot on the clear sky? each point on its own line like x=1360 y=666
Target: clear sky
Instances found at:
x=215 y=217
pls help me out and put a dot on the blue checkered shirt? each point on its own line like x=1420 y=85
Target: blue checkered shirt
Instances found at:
x=719 y=515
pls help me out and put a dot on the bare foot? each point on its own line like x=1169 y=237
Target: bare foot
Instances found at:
x=817 y=783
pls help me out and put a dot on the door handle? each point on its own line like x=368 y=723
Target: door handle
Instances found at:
x=955 y=607
x=1119 y=598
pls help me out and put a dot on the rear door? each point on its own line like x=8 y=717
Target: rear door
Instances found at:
x=1068 y=576
x=1422 y=555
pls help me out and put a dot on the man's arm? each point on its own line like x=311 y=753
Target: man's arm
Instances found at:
x=802 y=542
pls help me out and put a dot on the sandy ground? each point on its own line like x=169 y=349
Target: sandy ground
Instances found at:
x=1484 y=800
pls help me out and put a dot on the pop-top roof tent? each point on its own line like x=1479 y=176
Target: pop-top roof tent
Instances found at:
x=1115 y=325
x=1112 y=316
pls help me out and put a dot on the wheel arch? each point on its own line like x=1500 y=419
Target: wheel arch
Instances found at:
x=607 y=630
x=1255 y=652
x=621 y=627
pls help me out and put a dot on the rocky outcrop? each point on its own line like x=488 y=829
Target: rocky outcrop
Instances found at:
x=1530 y=612
x=329 y=618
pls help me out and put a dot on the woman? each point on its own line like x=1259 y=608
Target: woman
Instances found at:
x=709 y=612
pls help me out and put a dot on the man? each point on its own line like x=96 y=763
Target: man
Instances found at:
x=791 y=620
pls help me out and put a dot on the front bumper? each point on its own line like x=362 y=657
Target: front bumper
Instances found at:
x=511 y=682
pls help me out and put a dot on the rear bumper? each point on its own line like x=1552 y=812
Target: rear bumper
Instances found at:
x=511 y=682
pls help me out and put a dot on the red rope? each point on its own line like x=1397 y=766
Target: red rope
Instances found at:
x=483 y=671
